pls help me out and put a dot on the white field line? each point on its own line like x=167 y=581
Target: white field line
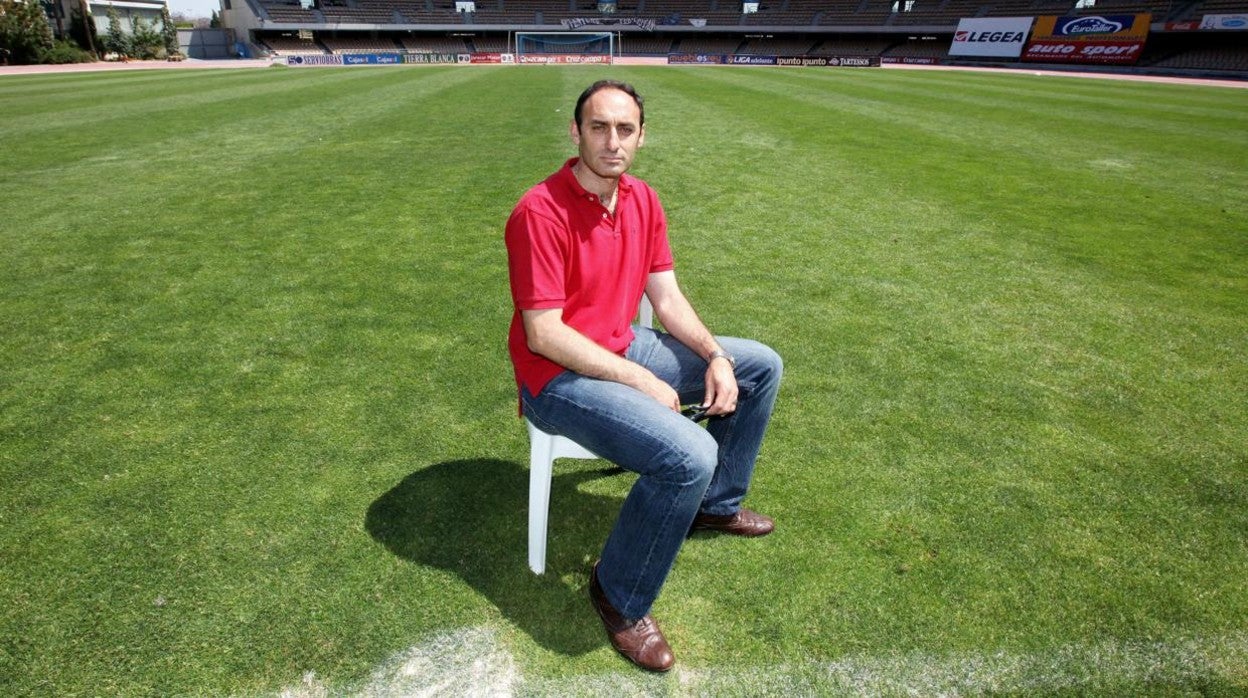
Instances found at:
x=471 y=662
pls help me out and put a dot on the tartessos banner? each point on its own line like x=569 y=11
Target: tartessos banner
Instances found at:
x=1105 y=39
x=1000 y=37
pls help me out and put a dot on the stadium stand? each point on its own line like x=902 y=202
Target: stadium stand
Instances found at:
x=917 y=49
x=865 y=13
x=686 y=10
x=339 y=45
x=1160 y=9
x=889 y=29
x=647 y=45
x=1221 y=7
x=359 y=13
x=777 y=47
x=282 y=45
x=853 y=47
x=1222 y=58
x=712 y=45
x=491 y=43
x=433 y=44
x=290 y=12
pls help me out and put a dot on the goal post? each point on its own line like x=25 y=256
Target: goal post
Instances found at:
x=601 y=45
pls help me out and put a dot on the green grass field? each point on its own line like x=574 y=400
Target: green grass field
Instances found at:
x=257 y=421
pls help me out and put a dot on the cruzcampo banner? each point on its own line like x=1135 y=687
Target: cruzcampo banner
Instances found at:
x=1102 y=39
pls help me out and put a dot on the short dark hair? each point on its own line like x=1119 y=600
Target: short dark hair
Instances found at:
x=610 y=85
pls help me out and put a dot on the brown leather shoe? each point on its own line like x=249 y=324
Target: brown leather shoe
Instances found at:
x=641 y=641
x=743 y=523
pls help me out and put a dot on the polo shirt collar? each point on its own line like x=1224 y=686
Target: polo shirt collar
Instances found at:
x=569 y=178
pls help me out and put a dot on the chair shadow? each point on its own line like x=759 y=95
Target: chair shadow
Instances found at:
x=470 y=517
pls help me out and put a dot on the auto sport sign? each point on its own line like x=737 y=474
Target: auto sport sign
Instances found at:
x=1104 y=39
x=1001 y=37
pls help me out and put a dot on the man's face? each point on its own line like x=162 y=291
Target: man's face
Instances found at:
x=609 y=134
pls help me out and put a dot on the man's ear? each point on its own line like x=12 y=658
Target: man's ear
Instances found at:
x=574 y=132
x=641 y=137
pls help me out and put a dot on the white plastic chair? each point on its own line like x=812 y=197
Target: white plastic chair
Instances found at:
x=543 y=450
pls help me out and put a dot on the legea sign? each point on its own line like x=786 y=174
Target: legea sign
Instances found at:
x=1000 y=37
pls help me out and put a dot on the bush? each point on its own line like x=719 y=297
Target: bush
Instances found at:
x=67 y=52
x=24 y=32
x=145 y=42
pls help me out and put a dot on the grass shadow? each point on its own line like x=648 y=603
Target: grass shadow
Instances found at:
x=470 y=517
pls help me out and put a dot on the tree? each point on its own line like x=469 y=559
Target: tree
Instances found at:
x=215 y=21
x=145 y=42
x=169 y=32
x=25 y=35
x=82 y=29
x=115 y=40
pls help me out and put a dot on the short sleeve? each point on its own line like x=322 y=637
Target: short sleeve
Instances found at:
x=536 y=250
x=661 y=256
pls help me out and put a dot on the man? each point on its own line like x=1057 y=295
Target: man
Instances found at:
x=582 y=248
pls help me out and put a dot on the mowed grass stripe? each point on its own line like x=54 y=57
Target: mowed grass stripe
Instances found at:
x=269 y=116
x=1074 y=134
x=80 y=99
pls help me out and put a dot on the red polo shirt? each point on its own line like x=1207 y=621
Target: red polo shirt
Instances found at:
x=565 y=250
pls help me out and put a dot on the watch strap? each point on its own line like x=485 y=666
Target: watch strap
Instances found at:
x=721 y=354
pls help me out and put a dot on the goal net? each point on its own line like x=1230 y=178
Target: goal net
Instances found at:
x=560 y=47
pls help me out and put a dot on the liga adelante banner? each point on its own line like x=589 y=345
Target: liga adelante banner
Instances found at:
x=999 y=37
x=1104 y=39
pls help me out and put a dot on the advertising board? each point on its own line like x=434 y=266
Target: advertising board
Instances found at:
x=563 y=59
x=790 y=61
x=996 y=37
x=1232 y=22
x=319 y=59
x=1103 y=39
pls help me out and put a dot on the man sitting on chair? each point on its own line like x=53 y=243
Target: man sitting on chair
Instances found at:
x=582 y=247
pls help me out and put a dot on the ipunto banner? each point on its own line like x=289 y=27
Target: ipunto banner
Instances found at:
x=1104 y=39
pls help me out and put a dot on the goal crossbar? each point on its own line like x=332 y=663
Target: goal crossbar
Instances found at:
x=589 y=43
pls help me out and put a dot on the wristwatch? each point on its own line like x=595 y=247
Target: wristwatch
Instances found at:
x=721 y=354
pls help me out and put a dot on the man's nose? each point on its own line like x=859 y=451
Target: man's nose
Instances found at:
x=613 y=139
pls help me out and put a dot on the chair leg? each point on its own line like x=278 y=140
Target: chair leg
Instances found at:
x=541 y=465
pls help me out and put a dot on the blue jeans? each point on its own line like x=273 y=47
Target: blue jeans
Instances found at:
x=683 y=468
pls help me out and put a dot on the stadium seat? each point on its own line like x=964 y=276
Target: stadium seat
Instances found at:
x=543 y=450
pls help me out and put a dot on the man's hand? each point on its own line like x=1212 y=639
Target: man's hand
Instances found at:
x=548 y=336
x=657 y=389
x=721 y=388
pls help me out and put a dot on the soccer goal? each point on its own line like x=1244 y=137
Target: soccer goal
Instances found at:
x=565 y=47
